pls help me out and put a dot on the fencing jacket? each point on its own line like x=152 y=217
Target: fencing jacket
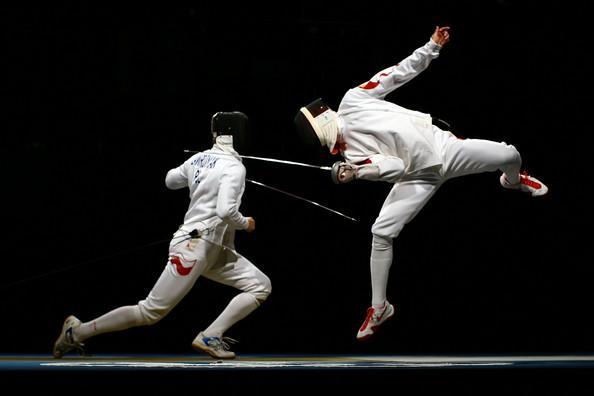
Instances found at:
x=216 y=179
x=374 y=130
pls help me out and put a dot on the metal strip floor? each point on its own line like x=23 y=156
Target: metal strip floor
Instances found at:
x=280 y=362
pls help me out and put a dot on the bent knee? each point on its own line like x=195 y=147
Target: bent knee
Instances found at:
x=262 y=289
x=381 y=242
x=149 y=314
x=386 y=229
x=509 y=155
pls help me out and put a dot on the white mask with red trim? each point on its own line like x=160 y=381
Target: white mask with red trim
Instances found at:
x=323 y=121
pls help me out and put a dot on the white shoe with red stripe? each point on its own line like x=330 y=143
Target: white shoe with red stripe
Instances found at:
x=373 y=320
x=527 y=184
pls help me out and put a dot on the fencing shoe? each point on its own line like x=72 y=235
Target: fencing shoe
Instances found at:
x=375 y=317
x=527 y=184
x=216 y=347
x=66 y=342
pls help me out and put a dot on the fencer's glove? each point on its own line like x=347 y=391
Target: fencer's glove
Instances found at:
x=343 y=172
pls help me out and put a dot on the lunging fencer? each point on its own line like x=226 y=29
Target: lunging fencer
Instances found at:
x=382 y=141
x=202 y=246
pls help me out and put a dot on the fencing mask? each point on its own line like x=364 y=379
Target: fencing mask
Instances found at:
x=233 y=126
x=317 y=121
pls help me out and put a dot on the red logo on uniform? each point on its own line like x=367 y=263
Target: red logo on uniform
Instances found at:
x=179 y=267
x=373 y=84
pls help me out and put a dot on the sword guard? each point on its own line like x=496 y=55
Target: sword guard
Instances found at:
x=343 y=172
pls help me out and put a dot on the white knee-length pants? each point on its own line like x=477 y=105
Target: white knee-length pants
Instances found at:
x=459 y=157
x=191 y=258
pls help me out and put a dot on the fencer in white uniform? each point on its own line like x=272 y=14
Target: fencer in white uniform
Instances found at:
x=382 y=141
x=202 y=246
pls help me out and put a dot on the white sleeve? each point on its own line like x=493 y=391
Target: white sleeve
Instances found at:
x=382 y=168
x=230 y=187
x=177 y=178
x=393 y=77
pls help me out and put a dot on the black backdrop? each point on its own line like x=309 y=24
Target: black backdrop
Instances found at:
x=100 y=102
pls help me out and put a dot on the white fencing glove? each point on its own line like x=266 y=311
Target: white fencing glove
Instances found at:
x=343 y=172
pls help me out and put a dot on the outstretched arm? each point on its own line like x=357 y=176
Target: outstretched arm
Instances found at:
x=393 y=77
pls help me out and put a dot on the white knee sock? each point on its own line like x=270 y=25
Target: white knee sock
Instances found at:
x=381 y=261
x=512 y=166
x=238 y=308
x=119 y=319
x=512 y=176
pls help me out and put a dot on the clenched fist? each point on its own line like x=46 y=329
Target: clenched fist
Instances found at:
x=251 y=224
x=441 y=35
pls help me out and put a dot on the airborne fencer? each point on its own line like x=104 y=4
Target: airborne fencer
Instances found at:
x=202 y=246
x=381 y=141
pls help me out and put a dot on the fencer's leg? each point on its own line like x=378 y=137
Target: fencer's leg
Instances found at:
x=167 y=292
x=404 y=201
x=238 y=272
x=511 y=164
x=119 y=319
x=402 y=204
x=238 y=308
x=463 y=157
x=381 y=261
x=470 y=156
x=176 y=280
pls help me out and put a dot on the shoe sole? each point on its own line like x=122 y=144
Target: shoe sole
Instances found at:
x=199 y=348
x=541 y=194
x=376 y=328
x=533 y=195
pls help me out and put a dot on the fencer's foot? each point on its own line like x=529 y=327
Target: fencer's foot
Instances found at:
x=215 y=346
x=375 y=317
x=66 y=342
x=527 y=183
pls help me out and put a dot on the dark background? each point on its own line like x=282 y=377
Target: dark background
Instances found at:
x=99 y=102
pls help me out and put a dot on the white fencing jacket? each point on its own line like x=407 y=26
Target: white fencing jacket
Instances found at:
x=216 y=179
x=399 y=141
